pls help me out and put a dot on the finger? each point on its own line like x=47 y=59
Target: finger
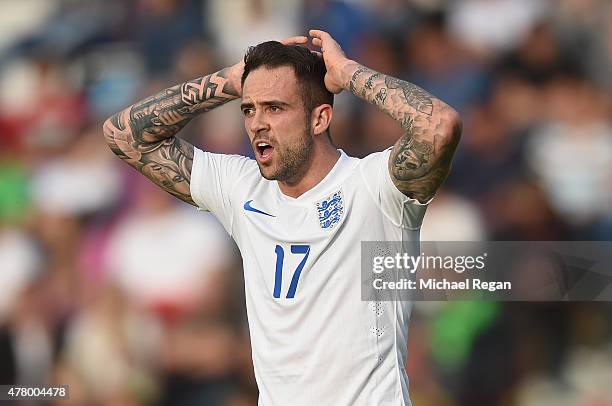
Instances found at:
x=317 y=42
x=319 y=34
x=298 y=39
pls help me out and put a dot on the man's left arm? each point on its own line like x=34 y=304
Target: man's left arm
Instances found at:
x=421 y=158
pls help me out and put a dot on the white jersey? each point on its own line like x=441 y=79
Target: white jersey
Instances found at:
x=314 y=341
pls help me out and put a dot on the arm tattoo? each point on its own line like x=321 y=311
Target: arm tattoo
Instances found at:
x=164 y=114
x=412 y=155
x=358 y=72
x=381 y=96
x=421 y=158
x=143 y=135
x=368 y=82
x=414 y=95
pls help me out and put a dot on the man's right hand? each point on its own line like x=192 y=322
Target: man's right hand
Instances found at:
x=235 y=71
x=144 y=134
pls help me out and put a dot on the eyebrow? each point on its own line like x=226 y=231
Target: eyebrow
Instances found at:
x=265 y=103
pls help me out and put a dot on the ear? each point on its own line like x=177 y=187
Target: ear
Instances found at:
x=321 y=118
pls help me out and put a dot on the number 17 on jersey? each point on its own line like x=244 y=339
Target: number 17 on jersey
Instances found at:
x=278 y=275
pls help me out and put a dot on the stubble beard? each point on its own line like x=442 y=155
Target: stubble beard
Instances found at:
x=292 y=163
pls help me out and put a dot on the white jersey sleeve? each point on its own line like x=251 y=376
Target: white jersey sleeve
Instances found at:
x=213 y=178
x=401 y=210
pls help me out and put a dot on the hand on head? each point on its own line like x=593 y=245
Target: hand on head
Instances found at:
x=235 y=71
x=334 y=58
x=331 y=52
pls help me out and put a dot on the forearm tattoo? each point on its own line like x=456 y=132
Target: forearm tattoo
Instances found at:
x=144 y=134
x=359 y=71
x=421 y=158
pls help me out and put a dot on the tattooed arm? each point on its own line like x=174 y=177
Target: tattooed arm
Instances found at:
x=421 y=158
x=144 y=134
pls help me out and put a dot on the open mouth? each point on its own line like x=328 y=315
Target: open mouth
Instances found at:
x=264 y=150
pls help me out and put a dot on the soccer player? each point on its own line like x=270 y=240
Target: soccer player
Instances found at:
x=299 y=211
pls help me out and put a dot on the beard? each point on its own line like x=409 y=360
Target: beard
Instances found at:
x=292 y=162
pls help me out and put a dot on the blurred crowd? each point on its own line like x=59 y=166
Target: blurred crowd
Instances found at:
x=133 y=298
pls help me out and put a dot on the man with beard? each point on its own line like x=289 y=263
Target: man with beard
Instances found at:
x=299 y=211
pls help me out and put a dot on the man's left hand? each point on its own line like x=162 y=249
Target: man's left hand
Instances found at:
x=334 y=59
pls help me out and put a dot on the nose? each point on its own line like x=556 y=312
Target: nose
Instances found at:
x=259 y=123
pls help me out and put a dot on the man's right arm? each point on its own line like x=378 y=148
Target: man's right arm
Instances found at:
x=144 y=134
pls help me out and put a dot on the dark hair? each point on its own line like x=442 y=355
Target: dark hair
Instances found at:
x=308 y=67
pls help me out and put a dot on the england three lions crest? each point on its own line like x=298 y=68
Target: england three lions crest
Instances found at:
x=330 y=210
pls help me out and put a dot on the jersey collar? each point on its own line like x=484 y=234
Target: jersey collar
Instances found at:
x=319 y=187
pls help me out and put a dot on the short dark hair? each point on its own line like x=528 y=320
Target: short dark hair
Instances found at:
x=309 y=69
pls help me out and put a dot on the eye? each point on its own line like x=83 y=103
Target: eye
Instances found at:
x=275 y=109
x=247 y=111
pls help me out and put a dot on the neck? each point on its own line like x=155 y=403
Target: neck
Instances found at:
x=324 y=158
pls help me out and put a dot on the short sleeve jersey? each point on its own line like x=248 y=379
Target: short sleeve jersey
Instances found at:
x=314 y=341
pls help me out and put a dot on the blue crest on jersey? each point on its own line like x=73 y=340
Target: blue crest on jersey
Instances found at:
x=330 y=210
